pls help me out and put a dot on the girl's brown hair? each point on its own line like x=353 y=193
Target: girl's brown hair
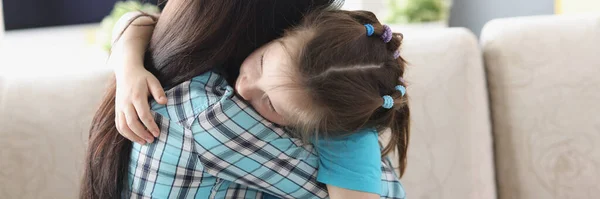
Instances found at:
x=345 y=74
x=191 y=37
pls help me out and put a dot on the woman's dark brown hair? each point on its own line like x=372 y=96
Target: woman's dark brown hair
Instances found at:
x=191 y=37
x=345 y=74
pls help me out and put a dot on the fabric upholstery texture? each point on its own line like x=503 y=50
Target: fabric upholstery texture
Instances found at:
x=44 y=123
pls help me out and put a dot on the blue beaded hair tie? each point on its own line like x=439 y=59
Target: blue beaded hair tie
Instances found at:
x=388 y=101
x=370 y=29
x=402 y=89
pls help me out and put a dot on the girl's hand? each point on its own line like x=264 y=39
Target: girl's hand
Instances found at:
x=131 y=104
x=134 y=82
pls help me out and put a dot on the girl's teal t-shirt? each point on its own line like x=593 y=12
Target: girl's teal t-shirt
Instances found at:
x=352 y=162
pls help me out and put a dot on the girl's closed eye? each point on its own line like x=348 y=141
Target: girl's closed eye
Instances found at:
x=268 y=103
x=262 y=61
x=266 y=99
x=271 y=104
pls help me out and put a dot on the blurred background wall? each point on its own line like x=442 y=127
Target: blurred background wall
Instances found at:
x=577 y=6
x=473 y=14
x=20 y=14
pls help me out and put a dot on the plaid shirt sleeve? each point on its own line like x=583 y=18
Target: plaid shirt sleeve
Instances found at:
x=242 y=147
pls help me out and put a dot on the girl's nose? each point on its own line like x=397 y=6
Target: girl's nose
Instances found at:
x=245 y=88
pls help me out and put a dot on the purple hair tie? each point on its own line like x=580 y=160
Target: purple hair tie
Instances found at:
x=401 y=79
x=397 y=54
x=387 y=34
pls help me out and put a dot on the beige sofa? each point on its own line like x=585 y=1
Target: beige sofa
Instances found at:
x=512 y=116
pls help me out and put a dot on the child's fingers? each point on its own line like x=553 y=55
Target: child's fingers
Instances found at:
x=125 y=131
x=143 y=110
x=156 y=90
x=135 y=125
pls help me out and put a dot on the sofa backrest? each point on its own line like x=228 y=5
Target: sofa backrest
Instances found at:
x=450 y=152
x=544 y=77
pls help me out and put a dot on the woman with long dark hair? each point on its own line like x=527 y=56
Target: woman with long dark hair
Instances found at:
x=181 y=49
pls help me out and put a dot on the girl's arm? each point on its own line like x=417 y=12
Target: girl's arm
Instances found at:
x=131 y=36
x=341 y=193
x=351 y=166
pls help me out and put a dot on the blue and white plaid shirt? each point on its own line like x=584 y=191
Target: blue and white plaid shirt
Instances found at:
x=213 y=145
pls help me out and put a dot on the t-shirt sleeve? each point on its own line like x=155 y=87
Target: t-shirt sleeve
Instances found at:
x=352 y=162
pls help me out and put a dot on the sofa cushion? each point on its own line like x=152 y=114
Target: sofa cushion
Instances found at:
x=543 y=75
x=44 y=123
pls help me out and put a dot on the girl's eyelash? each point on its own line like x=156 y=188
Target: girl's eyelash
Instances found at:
x=270 y=104
x=266 y=98
x=262 y=59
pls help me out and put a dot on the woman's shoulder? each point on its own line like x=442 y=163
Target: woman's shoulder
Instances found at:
x=209 y=82
x=189 y=98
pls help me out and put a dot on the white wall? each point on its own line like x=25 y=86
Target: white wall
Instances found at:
x=577 y=6
x=473 y=14
x=375 y=6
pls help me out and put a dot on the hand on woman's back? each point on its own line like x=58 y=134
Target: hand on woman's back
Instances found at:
x=133 y=118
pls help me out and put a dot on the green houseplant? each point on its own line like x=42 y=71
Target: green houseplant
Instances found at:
x=417 y=11
x=104 y=35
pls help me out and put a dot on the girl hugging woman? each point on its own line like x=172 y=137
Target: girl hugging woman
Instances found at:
x=299 y=117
